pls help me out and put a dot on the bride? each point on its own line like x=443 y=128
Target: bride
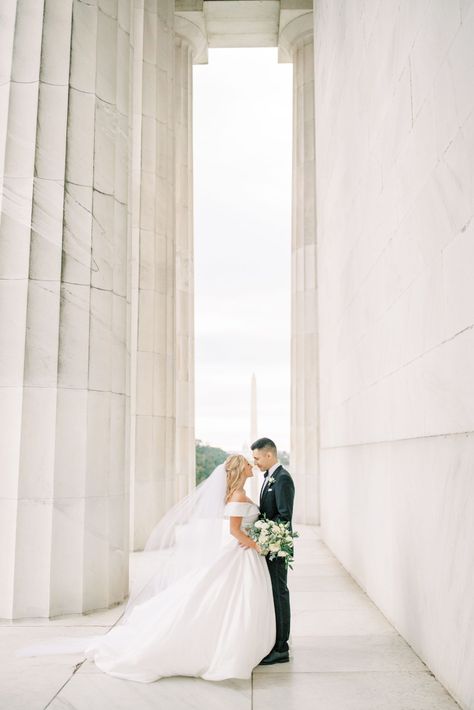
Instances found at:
x=207 y=610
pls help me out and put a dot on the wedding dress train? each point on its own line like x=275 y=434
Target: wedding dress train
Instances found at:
x=216 y=622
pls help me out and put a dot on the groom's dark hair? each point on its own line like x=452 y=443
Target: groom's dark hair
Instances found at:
x=264 y=443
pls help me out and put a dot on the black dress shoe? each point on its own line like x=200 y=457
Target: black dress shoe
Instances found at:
x=275 y=657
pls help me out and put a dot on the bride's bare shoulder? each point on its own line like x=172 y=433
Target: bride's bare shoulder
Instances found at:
x=239 y=497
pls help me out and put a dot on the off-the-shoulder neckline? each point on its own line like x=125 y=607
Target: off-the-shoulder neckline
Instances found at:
x=240 y=502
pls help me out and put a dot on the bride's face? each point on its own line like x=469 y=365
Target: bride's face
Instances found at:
x=248 y=470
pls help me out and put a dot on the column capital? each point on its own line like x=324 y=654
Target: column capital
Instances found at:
x=194 y=35
x=292 y=33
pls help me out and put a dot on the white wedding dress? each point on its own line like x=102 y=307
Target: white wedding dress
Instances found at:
x=216 y=622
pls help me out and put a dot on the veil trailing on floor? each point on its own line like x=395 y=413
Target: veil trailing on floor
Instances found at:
x=188 y=537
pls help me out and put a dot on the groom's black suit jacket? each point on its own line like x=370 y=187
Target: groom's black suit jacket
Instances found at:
x=276 y=501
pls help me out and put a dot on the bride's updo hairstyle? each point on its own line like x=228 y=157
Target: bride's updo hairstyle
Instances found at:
x=234 y=467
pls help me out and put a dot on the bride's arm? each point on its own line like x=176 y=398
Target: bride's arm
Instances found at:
x=235 y=530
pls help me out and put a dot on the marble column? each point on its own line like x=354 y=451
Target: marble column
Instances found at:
x=190 y=45
x=254 y=483
x=153 y=269
x=296 y=45
x=63 y=227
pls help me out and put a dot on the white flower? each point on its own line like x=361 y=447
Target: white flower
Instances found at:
x=282 y=553
x=271 y=480
x=259 y=523
x=274 y=547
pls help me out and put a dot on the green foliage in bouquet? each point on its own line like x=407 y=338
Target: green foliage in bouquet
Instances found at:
x=274 y=538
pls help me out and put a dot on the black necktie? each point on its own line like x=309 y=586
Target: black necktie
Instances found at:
x=266 y=474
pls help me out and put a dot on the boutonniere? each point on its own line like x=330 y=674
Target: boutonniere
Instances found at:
x=271 y=480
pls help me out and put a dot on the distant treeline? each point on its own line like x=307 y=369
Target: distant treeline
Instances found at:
x=208 y=457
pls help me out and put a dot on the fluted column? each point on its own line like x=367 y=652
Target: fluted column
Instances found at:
x=296 y=45
x=153 y=266
x=190 y=45
x=63 y=227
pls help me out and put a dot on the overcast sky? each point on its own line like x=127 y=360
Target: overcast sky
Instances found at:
x=242 y=227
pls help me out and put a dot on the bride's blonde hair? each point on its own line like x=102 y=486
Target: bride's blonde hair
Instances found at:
x=234 y=467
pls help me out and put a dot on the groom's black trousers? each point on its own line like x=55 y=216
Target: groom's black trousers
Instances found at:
x=281 y=600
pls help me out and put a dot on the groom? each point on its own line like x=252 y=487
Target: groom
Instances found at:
x=276 y=500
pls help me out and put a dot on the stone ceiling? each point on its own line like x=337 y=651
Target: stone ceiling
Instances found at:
x=241 y=23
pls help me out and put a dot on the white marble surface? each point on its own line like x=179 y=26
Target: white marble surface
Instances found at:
x=96 y=336
x=63 y=254
x=186 y=53
x=297 y=44
x=153 y=255
x=347 y=656
x=395 y=206
x=351 y=691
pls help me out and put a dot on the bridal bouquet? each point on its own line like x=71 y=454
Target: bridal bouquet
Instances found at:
x=274 y=539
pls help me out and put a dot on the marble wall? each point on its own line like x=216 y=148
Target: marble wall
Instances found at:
x=394 y=192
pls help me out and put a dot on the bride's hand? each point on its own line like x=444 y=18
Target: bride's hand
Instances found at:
x=249 y=544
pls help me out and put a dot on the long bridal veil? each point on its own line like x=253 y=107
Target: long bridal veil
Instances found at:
x=189 y=536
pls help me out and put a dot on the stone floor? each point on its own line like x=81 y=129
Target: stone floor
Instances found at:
x=345 y=656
